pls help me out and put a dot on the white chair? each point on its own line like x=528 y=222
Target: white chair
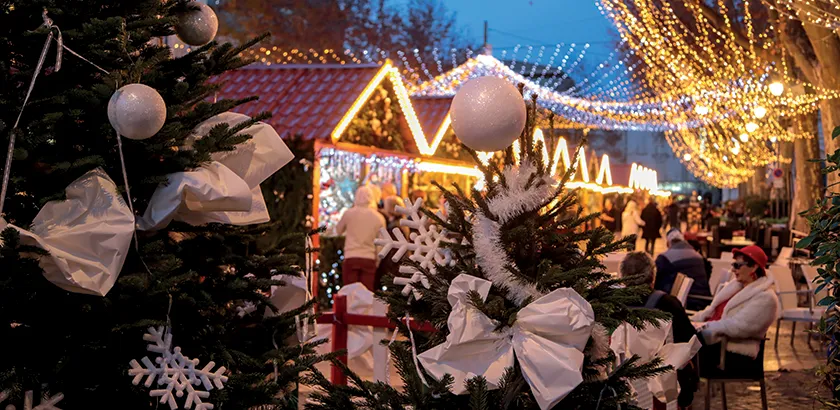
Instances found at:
x=810 y=273
x=720 y=273
x=787 y=293
x=784 y=257
x=681 y=288
x=612 y=261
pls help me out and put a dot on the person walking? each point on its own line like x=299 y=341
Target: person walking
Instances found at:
x=630 y=220
x=672 y=215
x=653 y=223
x=609 y=216
x=360 y=225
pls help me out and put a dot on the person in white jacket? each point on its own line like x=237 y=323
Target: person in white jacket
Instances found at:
x=631 y=221
x=360 y=225
x=741 y=312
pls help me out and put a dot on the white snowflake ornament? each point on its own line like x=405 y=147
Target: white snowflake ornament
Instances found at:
x=425 y=242
x=47 y=403
x=178 y=373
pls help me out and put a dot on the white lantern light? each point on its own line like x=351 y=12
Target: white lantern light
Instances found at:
x=776 y=88
x=751 y=127
x=759 y=112
x=744 y=137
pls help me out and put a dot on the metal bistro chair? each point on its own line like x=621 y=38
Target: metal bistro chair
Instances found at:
x=787 y=294
x=754 y=374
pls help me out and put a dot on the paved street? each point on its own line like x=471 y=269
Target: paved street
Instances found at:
x=790 y=376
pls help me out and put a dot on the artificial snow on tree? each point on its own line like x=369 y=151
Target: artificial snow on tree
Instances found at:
x=80 y=342
x=518 y=288
x=178 y=373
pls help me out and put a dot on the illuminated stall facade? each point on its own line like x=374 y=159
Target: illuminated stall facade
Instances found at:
x=363 y=126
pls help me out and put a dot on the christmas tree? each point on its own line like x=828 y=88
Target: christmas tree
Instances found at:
x=522 y=305
x=203 y=287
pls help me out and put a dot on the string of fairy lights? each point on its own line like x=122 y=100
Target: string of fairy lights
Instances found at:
x=732 y=88
x=724 y=104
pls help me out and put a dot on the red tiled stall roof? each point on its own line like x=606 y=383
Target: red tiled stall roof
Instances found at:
x=305 y=99
x=431 y=112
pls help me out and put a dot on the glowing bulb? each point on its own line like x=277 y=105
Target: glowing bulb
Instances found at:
x=687 y=157
x=744 y=137
x=701 y=109
x=759 y=112
x=751 y=127
x=736 y=149
x=776 y=88
x=725 y=158
x=773 y=139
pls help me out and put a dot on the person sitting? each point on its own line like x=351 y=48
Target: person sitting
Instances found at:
x=742 y=311
x=682 y=258
x=639 y=267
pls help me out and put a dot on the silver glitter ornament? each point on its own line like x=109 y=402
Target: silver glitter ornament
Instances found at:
x=198 y=25
x=488 y=114
x=136 y=111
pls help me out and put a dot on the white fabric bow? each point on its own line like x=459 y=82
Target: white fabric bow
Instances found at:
x=226 y=190
x=649 y=343
x=547 y=340
x=87 y=235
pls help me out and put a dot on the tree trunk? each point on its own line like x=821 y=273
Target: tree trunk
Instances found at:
x=807 y=186
x=757 y=184
x=826 y=48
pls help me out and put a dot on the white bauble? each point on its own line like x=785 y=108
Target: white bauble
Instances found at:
x=136 y=111
x=198 y=25
x=488 y=114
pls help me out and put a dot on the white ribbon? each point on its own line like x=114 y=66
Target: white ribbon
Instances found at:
x=650 y=343
x=547 y=339
x=305 y=326
x=360 y=339
x=7 y=169
x=87 y=235
x=226 y=190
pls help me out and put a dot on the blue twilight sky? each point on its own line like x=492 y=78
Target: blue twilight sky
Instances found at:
x=537 y=23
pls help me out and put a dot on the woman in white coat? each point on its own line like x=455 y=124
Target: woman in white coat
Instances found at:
x=741 y=312
x=631 y=220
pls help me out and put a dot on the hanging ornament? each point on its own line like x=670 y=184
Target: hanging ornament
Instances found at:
x=488 y=114
x=197 y=25
x=137 y=111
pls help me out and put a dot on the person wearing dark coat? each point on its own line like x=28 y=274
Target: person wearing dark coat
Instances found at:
x=653 y=223
x=640 y=267
x=682 y=258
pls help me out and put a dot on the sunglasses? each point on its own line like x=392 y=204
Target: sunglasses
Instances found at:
x=739 y=265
